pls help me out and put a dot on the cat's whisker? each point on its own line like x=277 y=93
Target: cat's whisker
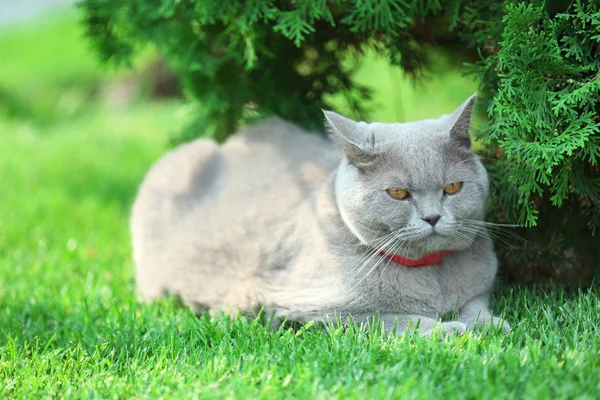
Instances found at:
x=506 y=238
x=376 y=246
x=495 y=229
x=472 y=242
x=371 y=243
x=375 y=239
x=498 y=232
x=396 y=250
x=395 y=244
x=381 y=259
x=476 y=221
x=497 y=238
x=398 y=247
x=369 y=256
x=379 y=245
x=360 y=265
x=408 y=248
x=498 y=229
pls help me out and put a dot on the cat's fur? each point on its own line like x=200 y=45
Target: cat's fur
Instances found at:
x=279 y=218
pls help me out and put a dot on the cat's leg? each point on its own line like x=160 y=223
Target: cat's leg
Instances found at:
x=476 y=313
x=426 y=326
x=391 y=322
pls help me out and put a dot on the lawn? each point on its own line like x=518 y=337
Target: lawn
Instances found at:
x=70 y=162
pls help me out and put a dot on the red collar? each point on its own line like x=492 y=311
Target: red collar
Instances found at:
x=429 y=259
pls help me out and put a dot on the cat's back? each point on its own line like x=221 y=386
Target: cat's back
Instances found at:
x=270 y=160
x=271 y=157
x=202 y=204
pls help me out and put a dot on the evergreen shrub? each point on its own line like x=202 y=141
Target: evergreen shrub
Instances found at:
x=538 y=66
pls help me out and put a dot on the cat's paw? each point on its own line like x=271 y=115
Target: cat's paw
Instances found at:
x=494 y=323
x=501 y=323
x=456 y=327
x=446 y=328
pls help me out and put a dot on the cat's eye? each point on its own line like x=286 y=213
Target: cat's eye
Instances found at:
x=453 y=188
x=398 y=194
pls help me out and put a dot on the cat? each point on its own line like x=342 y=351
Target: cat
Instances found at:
x=382 y=219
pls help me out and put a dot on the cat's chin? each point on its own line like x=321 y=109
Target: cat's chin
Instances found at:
x=423 y=246
x=436 y=241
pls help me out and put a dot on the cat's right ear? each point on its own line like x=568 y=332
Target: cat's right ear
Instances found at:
x=354 y=138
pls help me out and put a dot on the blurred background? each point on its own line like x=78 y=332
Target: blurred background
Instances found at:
x=77 y=134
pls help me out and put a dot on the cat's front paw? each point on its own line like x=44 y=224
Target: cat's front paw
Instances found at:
x=446 y=328
x=493 y=322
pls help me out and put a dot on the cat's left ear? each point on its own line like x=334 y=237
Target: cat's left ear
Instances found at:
x=461 y=122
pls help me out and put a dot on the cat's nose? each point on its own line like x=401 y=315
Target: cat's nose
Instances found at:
x=432 y=219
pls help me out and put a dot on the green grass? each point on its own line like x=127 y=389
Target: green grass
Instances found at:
x=70 y=326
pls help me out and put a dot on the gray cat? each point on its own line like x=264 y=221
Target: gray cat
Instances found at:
x=282 y=219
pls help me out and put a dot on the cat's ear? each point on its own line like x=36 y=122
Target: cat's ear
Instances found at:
x=461 y=122
x=354 y=138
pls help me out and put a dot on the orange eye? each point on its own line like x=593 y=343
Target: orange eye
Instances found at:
x=453 y=188
x=398 y=194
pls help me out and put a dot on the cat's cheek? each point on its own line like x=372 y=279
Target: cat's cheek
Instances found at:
x=465 y=204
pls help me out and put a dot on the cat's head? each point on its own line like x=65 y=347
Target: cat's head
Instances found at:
x=420 y=179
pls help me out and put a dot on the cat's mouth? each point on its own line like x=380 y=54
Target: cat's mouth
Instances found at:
x=424 y=241
x=436 y=241
x=433 y=233
x=435 y=237
x=438 y=234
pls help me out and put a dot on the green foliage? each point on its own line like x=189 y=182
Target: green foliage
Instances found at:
x=538 y=69
x=545 y=114
x=241 y=59
x=540 y=76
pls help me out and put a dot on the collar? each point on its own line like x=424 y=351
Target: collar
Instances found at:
x=429 y=259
